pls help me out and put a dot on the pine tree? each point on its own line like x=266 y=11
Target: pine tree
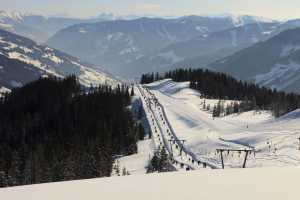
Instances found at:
x=204 y=105
x=132 y=91
x=164 y=161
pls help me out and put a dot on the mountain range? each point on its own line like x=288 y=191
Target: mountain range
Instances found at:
x=118 y=44
x=273 y=63
x=23 y=60
x=39 y=27
x=250 y=48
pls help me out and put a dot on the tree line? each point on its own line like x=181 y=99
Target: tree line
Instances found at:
x=54 y=130
x=216 y=85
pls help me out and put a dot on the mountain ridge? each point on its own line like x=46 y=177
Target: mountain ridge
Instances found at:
x=23 y=60
x=273 y=63
x=117 y=43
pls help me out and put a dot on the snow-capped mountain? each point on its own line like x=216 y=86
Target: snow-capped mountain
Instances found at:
x=204 y=49
x=22 y=60
x=38 y=27
x=119 y=43
x=274 y=63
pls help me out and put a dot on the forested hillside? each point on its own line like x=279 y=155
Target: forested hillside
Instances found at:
x=51 y=130
x=215 y=85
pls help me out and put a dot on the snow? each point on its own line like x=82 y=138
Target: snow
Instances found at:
x=41 y=56
x=275 y=141
x=267 y=32
x=290 y=116
x=129 y=50
x=288 y=49
x=16 y=16
x=170 y=56
x=82 y=30
x=28 y=60
x=137 y=163
x=9 y=46
x=6 y=26
x=48 y=49
x=4 y=90
x=90 y=76
x=26 y=50
x=237 y=21
x=163 y=32
x=115 y=36
x=15 y=84
x=24 y=58
x=53 y=58
x=278 y=72
x=236 y=184
x=201 y=29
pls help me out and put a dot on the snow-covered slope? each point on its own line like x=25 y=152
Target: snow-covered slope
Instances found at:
x=247 y=184
x=4 y=90
x=205 y=48
x=275 y=141
x=23 y=60
x=137 y=163
x=274 y=63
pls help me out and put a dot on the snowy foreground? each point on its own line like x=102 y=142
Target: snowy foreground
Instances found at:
x=233 y=184
x=272 y=173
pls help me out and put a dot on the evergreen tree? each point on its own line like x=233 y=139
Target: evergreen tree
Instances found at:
x=132 y=91
x=215 y=85
x=93 y=126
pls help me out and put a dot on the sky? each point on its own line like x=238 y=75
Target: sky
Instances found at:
x=276 y=9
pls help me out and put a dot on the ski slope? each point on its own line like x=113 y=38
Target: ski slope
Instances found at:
x=137 y=163
x=275 y=141
x=233 y=184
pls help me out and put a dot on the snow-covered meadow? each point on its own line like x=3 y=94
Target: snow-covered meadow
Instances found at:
x=233 y=184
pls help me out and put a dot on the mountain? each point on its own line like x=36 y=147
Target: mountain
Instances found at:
x=23 y=60
x=38 y=27
x=274 y=63
x=204 y=49
x=117 y=44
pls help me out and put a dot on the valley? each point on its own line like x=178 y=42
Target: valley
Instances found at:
x=148 y=106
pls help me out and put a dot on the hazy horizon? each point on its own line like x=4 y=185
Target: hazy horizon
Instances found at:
x=266 y=8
